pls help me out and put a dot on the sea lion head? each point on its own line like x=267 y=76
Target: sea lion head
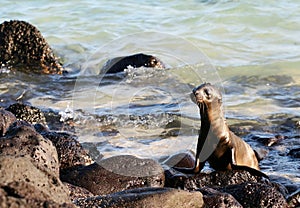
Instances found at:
x=207 y=94
x=154 y=63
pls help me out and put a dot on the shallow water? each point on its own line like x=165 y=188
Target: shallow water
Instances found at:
x=249 y=49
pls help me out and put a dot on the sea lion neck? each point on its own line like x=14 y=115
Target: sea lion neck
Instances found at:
x=209 y=101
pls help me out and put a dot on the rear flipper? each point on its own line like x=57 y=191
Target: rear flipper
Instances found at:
x=250 y=170
x=253 y=171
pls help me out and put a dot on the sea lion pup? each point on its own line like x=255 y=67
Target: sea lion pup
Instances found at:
x=118 y=64
x=216 y=143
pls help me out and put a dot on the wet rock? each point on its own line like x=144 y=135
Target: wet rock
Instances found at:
x=294 y=199
x=147 y=198
x=183 y=159
x=267 y=140
x=279 y=94
x=213 y=198
x=289 y=124
x=256 y=195
x=70 y=152
x=23 y=140
x=6 y=119
x=24 y=47
x=294 y=153
x=30 y=162
x=174 y=178
x=116 y=174
x=27 y=113
x=57 y=122
x=118 y=64
x=213 y=179
x=283 y=184
x=260 y=153
x=19 y=173
x=93 y=152
x=20 y=194
x=76 y=192
x=40 y=128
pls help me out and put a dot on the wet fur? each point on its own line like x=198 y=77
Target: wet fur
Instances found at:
x=230 y=151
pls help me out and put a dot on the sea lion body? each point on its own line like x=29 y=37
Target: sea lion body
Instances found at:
x=216 y=143
x=234 y=151
x=118 y=64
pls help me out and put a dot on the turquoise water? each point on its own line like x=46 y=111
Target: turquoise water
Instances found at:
x=231 y=33
x=249 y=49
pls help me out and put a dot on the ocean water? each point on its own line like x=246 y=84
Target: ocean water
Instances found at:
x=250 y=50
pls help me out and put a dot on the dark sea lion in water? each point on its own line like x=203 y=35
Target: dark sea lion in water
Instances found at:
x=216 y=143
x=118 y=64
x=22 y=46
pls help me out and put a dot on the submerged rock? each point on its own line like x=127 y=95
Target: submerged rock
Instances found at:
x=99 y=180
x=23 y=46
x=294 y=153
x=147 y=198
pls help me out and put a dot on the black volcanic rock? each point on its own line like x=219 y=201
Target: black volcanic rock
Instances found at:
x=70 y=151
x=146 y=198
x=24 y=140
x=106 y=177
x=256 y=195
x=29 y=170
x=214 y=198
x=23 y=46
x=6 y=119
x=27 y=113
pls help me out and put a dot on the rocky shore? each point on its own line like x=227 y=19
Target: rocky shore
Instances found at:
x=42 y=167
